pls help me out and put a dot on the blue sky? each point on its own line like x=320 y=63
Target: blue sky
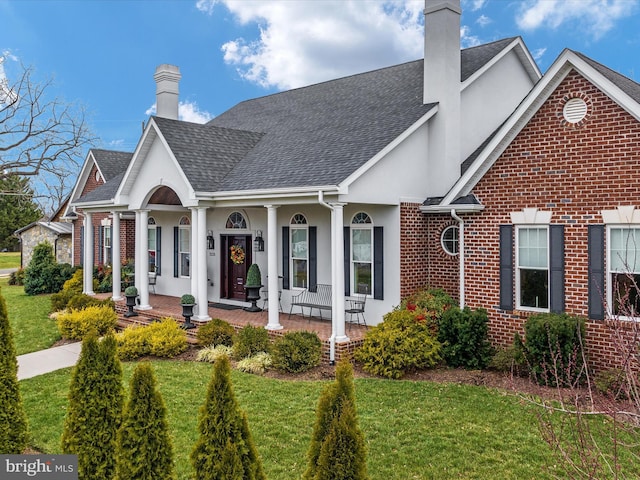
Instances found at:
x=102 y=54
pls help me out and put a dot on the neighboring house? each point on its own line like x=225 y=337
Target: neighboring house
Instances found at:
x=546 y=213
x=55 y=231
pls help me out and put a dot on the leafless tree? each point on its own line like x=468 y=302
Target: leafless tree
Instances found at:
x=41 y=137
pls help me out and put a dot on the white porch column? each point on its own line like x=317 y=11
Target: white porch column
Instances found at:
x=142 y=260
x=272 y=267
x=193 y=257
x=115 y=258
x=87 y=261
x=338 y=268
x=201 y=247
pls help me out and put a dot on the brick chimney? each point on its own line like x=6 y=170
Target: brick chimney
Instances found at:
x=167 y=78
x=442 y=86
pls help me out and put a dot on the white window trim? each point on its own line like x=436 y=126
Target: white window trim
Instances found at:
x=181 y=252
x=442 y=244
x=149 y=228
x=292 y=227
x=107 y=249
x=352 y=273
x=608 y=271
x=517 y=268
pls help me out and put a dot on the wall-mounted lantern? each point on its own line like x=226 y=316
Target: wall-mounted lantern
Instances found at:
x=210 y=241
x=258 y=242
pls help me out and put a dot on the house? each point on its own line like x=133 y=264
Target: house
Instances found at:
x=54 y=230
x=318 y=185
x=544 y=217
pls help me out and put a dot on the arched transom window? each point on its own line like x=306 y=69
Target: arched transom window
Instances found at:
x=184 y=246
x=300 y=251
x=362 y=253
x=236 y=221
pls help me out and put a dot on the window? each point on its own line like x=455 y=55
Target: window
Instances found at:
x=107 y=253
x=184 y=246
x=300 y=251
x=361 y=253
x=532 y=260
x=152 y=245
x=449 y=239
x=624 y=270
x=236 y=221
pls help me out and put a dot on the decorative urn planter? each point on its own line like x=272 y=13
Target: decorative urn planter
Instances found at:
x=131 y=294
x=188 y=302
x=252 y=287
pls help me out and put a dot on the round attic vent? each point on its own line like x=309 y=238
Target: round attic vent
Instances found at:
x=574 y=110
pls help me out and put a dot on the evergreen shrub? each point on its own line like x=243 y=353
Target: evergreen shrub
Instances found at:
x=215 y=332
x=402 y=343
x=17 y=277
x=254 y=277
x=95 y=319
x=464 y=338
x=297 y=352
x=249 y=341
x=161 y=339
x=82 y=301
x=552 y=348
x=43 y=274
x=70 y=288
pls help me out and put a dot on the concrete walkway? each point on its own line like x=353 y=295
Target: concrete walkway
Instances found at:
x=49 y=360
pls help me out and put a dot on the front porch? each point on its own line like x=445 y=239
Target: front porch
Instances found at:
x=168 y=306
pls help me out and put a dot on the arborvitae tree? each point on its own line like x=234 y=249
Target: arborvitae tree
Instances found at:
x=43 y=274
x=144 y=450
x=13 y=421
x=225 y=449
x=17 y=209
x=94 y=412
x=337 y=449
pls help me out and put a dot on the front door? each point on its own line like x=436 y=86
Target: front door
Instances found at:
x=235 y=261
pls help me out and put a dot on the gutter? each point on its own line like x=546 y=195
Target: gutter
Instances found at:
x=332 y=338
x=455 y=216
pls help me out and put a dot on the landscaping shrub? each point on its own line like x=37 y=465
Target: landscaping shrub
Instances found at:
x=337 y=449
x=509 y=359
x=103 y=276
x=224 y=449
x=77 y=324
x=612 y=382
x=94 y=413
x=70 y=288
x=432 y=303
x=17 y=277
x=402 y=343
x=82 y=301
x=463 y=335
x=161 y=339
x=297 y=352
x=13 y=420
x=144 y=449
x=552 y=348
x=249 y=341
x=258 y=364
x=43 y=274
x=215 y=332
x=213 y=352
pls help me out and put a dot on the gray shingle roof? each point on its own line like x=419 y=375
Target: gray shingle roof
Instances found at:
x=627 y=85
x=104 y=192
x=111 y=162
x=474 y=58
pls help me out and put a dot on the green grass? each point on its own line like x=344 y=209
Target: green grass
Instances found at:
x=414 y=430
x=32 y=328
x=9 y=259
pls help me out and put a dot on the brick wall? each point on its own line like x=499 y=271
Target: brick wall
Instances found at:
x=575 y=172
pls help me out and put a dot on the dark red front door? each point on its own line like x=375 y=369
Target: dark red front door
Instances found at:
x=235 y=261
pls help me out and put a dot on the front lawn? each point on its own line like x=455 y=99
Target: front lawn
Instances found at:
x=32 y=328
x=9 y=260
x=414 y=430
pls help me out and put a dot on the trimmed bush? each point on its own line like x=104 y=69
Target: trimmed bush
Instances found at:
x=215 y=332
x=508 y=359
x=400 y=344
x=612 y=382
x=43 y=274
x=553 y=348
x=187 y=299
x=130 y=291
x=249 y=341
x=463 y=335
x=258 y=364
x=77 y=324
x=17 y=277
x=337 y=449
x=13 y=420
x=82 y=301
x=70 y=289
x=297 y=352
x=161 y=339
x=254 y=277
x=94 y=414
x=224 y=449
x=144 y=449
x=212 y=353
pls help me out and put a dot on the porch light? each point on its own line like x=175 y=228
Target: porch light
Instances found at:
x=258 y=242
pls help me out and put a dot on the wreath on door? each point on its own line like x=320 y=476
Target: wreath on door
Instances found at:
x=237 y=254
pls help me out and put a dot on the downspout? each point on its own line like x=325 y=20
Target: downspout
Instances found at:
x=460 y=253
x=332 y=338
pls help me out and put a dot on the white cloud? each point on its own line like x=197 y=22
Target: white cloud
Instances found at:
x=466 y=39
x=595 y=17
x=538 y=53
x=187 y=111
x=473 y=5
x=301 y=43
x=483 y=20
x=7 y=95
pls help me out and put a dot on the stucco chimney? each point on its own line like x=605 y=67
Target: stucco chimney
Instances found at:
x=167 y=78
x=442 y=85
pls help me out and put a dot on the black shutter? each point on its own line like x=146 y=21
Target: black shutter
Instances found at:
x=596 y=272
x=176 y=261
x=506 y=267
x=81 y=246
x=158 y=250
x=378 y=263
x=556 y=268
x=313 y=258
x=285 y=258
x=347 y=260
